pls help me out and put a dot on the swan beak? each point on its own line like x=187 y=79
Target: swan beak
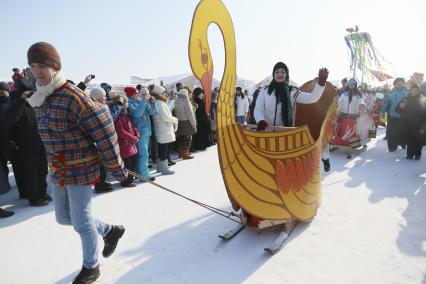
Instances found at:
x=206 y=84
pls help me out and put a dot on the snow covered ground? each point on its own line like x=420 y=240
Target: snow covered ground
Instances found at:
x=371 y=228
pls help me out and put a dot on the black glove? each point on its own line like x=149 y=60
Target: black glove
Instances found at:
x=322 y=76
x=261 y=125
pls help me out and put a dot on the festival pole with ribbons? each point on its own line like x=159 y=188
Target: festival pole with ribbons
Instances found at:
x=364 y=56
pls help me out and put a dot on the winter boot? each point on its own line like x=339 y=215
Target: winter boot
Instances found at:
x=87 y=275
x=326 y=165
x=185 y=154
x=111 y=240
x=47 y=197
x=5 y=214
x=129 y=182
x=39 y=202
x=163 y=167
x=101 y=187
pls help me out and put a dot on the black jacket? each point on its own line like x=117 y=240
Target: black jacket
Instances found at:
x=21 y=123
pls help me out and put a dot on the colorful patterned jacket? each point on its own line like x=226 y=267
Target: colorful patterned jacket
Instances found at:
x=78 y=135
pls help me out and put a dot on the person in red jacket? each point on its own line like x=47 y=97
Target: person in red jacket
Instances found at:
x=128 y=136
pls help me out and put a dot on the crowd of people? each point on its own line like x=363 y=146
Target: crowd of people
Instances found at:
x=84 y=136
x=151 y=123
x=402 y=110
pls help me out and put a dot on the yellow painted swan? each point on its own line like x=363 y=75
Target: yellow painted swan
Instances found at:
x=270 y=175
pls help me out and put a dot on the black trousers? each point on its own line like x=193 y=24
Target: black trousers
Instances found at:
x=4 y=167
x=18 y=172
x=30 y=170
x=164 y=150
x=414 y=145
x=130 y=164
x=154 y=150
x=392 y=133
x=102 y=176
x=169 y=151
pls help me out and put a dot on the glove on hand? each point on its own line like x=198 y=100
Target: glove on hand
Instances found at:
x=261 y=125
x=322 y=76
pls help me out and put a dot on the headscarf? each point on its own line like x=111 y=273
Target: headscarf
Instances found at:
x=282 y=93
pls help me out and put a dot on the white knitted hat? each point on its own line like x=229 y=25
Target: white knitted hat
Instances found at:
x=183 y=92
x=158 y=90
x=144 y=91
x=97 y=93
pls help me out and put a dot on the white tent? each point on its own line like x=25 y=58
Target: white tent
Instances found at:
x=187 y=79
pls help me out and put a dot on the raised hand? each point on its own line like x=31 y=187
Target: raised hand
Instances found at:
x=322 y=76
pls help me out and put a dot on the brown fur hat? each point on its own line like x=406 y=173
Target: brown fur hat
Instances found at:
x=44 y=53
x=158 y=92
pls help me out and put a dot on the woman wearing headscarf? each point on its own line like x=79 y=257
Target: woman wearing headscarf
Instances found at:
x=275 y=103
x=201 y=139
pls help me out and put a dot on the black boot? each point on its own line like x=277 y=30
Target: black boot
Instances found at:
x=39 y=202
x=5 y=214
x=111 y=240
x=87 y=275
x=47 y=197
x=128 y=183
x=326 y=165
x=101 y=187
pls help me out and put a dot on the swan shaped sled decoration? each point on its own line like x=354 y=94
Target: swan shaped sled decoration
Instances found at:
x=274 y=177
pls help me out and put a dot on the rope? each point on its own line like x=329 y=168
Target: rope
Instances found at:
x=223 y=213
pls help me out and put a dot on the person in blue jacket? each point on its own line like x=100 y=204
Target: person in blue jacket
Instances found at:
x=390 y=104
x=141 y=106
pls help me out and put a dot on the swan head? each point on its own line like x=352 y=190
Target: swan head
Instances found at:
x=202 y=66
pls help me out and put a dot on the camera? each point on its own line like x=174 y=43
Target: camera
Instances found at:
x=92 y=76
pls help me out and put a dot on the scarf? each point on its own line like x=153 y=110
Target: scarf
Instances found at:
x=38 y=98
x=282 y=94
x=158 y=97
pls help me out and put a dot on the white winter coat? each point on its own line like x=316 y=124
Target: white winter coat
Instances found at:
x=265 y=104
x=350 y=108
x=165 y=124
x=242 y=106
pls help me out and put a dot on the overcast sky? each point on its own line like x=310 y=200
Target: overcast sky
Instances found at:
x=117 y=39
